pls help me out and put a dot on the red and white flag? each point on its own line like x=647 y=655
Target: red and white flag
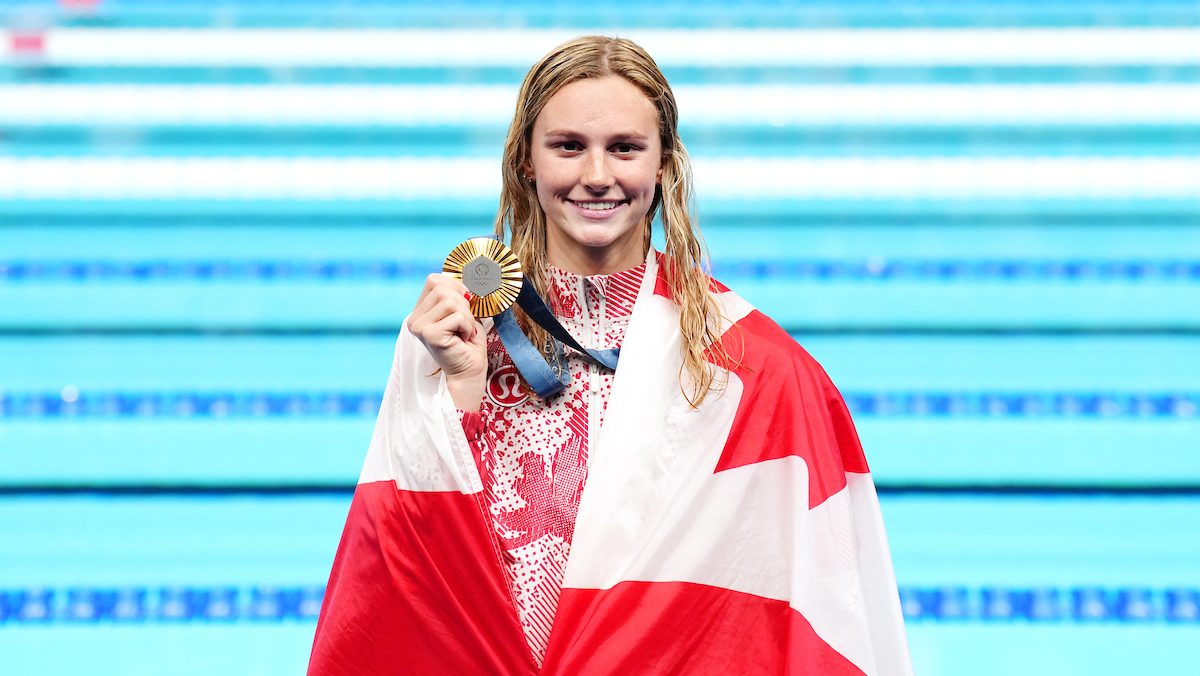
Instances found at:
x=742 y=537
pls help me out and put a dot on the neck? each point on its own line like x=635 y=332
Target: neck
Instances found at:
x=586 y=261
x=586 y=267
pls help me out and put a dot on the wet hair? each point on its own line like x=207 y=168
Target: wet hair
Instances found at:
x=685 y=258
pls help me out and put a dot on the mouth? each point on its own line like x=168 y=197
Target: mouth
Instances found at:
x=597 y=208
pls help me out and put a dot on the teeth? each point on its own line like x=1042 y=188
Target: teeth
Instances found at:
x=598 y=206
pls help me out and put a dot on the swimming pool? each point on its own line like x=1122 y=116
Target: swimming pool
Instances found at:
x=993 y=247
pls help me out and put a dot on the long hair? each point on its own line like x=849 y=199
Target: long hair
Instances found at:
x=686 y=258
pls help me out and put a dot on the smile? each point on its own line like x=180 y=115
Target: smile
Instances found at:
x=598 y=208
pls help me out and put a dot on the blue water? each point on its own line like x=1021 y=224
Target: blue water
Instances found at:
x=1089 y=299
x=243 y=543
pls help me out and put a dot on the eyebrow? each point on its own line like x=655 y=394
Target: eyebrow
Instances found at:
x=632 y=135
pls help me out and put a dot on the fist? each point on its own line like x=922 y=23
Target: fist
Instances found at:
x=443 y=322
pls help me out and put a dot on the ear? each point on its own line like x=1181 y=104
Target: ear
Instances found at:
x=527 y=171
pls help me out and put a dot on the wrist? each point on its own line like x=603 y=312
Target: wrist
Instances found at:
x=466 y=390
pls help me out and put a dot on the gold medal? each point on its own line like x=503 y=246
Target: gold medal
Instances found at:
x=491 y=272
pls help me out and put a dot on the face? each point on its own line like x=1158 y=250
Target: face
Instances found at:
x=596 y=159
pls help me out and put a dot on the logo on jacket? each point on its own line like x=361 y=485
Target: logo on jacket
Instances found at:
x=504 y=387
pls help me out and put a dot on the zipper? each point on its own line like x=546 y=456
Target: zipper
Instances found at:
x=594 y=370
x=593 y=385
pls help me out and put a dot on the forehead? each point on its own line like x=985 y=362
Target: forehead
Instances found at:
x=599 y=105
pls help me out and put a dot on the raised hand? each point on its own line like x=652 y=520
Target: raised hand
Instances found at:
x=443 y=322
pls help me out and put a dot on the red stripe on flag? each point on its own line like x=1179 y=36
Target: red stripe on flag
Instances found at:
x=649 y=628
x=788 y=408
x=417 y=588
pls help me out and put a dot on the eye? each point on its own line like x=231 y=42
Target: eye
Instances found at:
x=625 y=148
x=569 y=146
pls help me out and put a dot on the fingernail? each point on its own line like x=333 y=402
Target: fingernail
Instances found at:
x=468 y=296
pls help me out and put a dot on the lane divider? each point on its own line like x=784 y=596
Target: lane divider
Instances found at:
x=1051 y=604
x=1094 y=178
x=354 y=269
x=1066 y=105
x=231 y=604
x=71 y=402
x=165 y=604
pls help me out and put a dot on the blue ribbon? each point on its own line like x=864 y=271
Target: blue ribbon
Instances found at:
x=546 y=377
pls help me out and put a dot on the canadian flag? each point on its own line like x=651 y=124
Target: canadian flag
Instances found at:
x=740 y=537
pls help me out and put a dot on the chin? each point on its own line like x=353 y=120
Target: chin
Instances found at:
x=596 y=236
x=600 y=239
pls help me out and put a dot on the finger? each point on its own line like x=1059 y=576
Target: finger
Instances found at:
x=479 y=338
x=447 y=280
x=430 y=292
x=433 y=308
x=451 y=330
x=448 y=289
x=437 y=288
x=432 y=281
x=447 y=307
x=450 y=304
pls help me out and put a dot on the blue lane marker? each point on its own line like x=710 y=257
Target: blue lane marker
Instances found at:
x=73 y=403
x=1025 y=404
x=70 y=404
x=229 y=604
x=1051 y=604
x=164 y=604
x=821 y=269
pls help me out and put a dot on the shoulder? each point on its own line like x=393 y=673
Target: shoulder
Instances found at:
x=787 y=391
x=761 y=337
x=748 y=336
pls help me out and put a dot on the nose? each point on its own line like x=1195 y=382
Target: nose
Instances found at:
x=597 y=174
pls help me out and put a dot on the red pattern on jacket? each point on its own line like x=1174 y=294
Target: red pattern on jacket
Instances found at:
x=533 y=454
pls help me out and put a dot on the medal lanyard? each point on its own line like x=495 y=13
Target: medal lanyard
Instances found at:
x=492 y=273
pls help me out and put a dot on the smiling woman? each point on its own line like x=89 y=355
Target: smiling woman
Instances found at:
x=703 y=508
x=596 y=161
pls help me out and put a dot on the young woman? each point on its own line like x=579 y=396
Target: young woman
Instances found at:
x=703 y=509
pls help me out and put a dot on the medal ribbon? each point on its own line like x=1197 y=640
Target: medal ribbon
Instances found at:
x=545 y=377
x=492 y=272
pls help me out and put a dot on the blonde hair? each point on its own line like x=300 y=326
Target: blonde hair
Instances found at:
x=686 y=259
